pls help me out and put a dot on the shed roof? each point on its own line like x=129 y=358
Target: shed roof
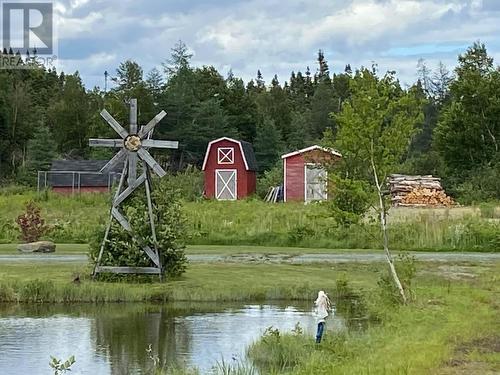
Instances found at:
x=311 y=148
x=89 y=173
x=246 y=149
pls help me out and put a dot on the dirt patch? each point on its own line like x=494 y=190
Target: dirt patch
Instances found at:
x=460 y=365
x=469 y=368
x=258 y=258
x=490 y=344
x=457 y=272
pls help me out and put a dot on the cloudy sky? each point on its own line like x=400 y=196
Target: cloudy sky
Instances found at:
x=273 y=36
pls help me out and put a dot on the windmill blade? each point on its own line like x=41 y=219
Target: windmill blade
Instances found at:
x=105 y=142
x=114 y=124
x=160 y=144
x=146 y=156
x=150 y=125
x=115 y=160
x=133 y=116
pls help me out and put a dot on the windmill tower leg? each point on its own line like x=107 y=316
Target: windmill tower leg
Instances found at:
x=147 y=184
x=108 y=227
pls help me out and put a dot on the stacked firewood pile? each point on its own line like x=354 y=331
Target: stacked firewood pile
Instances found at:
x=417 y=191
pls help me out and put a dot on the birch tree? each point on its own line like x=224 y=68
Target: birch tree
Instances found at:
x=375 y=128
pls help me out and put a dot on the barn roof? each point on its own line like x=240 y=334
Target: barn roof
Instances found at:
x=311 y=148
x=246 y=151
x=94 y=178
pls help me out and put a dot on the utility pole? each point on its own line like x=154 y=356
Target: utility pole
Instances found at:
x=106 y=81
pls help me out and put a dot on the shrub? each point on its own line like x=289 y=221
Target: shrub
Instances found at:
x=406 y=269
x=350 y=200
x=31 y=223
x=270 y=178
x=481 y=186
x=189 y=183
x=121 y=250
x=275 y=352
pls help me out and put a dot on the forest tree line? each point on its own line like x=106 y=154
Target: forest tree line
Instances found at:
x=46 y=115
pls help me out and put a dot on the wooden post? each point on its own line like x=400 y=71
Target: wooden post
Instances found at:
x=108 y=227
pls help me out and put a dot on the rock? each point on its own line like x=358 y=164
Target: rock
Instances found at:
x=37 y=247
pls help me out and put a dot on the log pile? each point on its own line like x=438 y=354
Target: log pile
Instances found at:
x=417 y=191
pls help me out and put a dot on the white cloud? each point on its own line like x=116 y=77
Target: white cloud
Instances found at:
x=278 y=37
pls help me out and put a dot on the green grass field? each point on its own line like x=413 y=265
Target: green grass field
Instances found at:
x=256 y=223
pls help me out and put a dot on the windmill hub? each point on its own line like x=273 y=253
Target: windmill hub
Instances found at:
x=133 y=142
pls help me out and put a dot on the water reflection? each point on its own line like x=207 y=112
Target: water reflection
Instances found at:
x=112 y=338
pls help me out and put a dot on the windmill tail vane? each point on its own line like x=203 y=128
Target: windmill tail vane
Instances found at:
x=134 y=145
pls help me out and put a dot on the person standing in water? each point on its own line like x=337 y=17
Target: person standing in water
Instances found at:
x=322 y=306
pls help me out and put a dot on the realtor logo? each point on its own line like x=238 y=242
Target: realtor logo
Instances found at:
x=28 y=27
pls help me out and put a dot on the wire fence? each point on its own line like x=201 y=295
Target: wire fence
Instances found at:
x=75 y=180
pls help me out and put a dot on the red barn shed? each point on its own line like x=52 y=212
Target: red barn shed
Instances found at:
x=230 y=169
x=304 y=175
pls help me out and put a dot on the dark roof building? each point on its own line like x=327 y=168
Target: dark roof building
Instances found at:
x=81 y=175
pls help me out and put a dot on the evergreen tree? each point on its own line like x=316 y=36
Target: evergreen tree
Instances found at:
x=309 y=84
x=323 y=70
x=128 y=75
x=424 y=76
x=322 y=105
x=42 y=149
x=154 y=83
x=468 y=133
x=441 y=81
x=209 y=122
x=261 y=85
x=179 y=59
x=241 y=109
x=268 y=144
x=297 y=136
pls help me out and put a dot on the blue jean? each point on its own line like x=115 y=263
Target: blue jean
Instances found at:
x=319 y=332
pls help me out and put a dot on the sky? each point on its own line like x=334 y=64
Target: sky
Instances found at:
x=273 y=36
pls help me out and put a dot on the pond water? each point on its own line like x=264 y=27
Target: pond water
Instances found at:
x=113 y=338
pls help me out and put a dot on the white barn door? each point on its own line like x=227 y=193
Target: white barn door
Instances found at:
x=315 y=183
x=226 y=184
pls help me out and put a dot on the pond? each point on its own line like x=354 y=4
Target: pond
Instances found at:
x=113 y=338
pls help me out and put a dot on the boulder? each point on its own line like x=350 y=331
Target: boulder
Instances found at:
x=37 y=247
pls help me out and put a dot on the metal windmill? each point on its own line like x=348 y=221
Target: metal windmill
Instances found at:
x=134 y=145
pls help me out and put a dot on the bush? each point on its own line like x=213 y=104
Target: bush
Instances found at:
x=270 y=178
x=350 y=200
x=275 y=352
x=189 y=183
x=31 y=223
x=481 y=186
x=406 y=269
x=121 y=250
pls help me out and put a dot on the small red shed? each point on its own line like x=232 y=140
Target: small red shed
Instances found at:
x=230 y=169
x=304 y=174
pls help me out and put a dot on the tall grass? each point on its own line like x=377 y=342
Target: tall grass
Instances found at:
x=74 y=219
x=419 y=338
